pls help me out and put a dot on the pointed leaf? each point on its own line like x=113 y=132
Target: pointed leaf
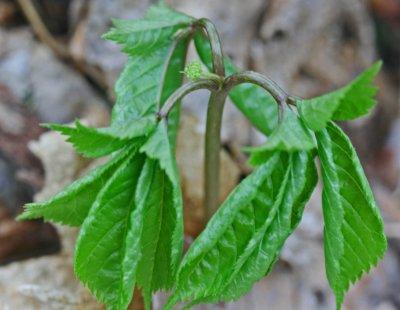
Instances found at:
x=161 y=202
x=98 y=142
x=106 y=255
x=143 y=86
x=158 y=147
x=153 y=228
x=243 y=239
x=349 y=102
x=143 y=36
x=71 y=206
x=146 y=82
x=87 y=141
x=161 y=238
x=354 y=240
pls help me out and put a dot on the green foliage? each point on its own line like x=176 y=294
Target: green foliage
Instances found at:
x=71 y=206
x=98 y=142
x=351 y=101
x=107 y=255
x=243 y=239
x=130 y=209
x=353 y=236
x=143 y=36
x=137 y=192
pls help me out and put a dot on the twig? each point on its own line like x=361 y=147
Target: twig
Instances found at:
x=60 y=50
x=41 y=31
x=239 y=158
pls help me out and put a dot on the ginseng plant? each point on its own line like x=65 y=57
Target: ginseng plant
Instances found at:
x=130 y=209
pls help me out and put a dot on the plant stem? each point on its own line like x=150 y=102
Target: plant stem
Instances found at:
x=216 y=48
x=212 y=151
x=183 y=91
x=256 y=78
x=40 y=29
x=213 y=124
x=180 y=36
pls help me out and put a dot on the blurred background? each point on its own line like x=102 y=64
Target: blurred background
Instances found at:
x=54 y=67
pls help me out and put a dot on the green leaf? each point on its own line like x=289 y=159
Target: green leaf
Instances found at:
x=134 y=232
x=354 y=239
x=289 y=136
x=98 y=142
x=158 y=147
x=71 y=206
x=172 y=80
x=255 y=103
x=106 y=255
x=243 y=239
x=349 y=102
x=154 y=31
x=161 y=202
x=145 y=83
x=153 y=74
x=161 y=238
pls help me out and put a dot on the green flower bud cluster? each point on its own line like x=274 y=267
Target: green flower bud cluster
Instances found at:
x=194 y=70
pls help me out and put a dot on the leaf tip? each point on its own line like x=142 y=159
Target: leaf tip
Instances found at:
x=377 y=66
x=27 y=214
x=46 y=125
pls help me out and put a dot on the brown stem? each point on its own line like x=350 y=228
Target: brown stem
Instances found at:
x=59 y=49
x=40 y=29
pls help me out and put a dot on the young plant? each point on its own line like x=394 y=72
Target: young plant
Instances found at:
x=130 y=209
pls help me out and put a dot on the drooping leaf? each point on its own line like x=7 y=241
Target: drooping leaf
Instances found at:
x=143 y=85
x=243 y=239
x=106 y=255
x=161 y=238
x=254 y=102
x=160 y=199
x=147 y=81
x=158 y=147
x=172 y=79
x=71 y=206
x=89 y=142
x=155 y=30
x=289 y=136
x=133 y=235
x=354 y=239
x=161 y=204
x=153 y=70
x=98 y=142
x=349 y=102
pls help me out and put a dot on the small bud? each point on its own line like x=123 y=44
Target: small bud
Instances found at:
x=194 y=70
